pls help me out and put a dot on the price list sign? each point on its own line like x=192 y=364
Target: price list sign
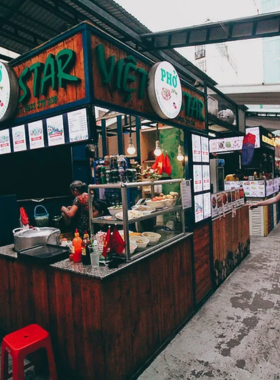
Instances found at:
x=186 y=194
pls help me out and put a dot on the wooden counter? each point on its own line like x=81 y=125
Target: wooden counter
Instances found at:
x=101 y=328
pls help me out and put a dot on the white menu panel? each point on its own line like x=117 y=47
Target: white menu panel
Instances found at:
x=198 y=209
x=5 y=145
x=206 y=205
x=186 y=194
x=197 y=175
x=226 y=144
x=196 y=148
x=55 y=130
x=19 y=139
x=206 y=177
x=205 y=149
x=36 y=135
x=78 y=126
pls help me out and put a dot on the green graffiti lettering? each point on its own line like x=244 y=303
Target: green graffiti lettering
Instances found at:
x=187 y=98
x=65 y=61
x=200 y=110
x=23 y=86
x=128 y=78
x=142 y=82
x=106 y=74
x=194 y=108
x=37 y=69
x=119 y=68
x=49 y=75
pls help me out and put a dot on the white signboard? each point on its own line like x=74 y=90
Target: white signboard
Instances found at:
x=206 y=205
x=198 y=209
x=197 y=178
x=5 y=145
x=186 y=194
x=206 y=177
x=226 y=144
x=255 y=131
x=214 y=204
x=19 y=139
x=254 y=188
x=8 y=91
x=36 y=134
x=205 y=149
x=55 y=130
x=78 y=126
x=196 y=148
x=164 y=90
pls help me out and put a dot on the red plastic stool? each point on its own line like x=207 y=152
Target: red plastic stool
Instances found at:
x=22 y=343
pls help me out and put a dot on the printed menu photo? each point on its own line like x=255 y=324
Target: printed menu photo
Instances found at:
x=36 y=134
x=55 y=130
x=206 y=205
x=206 y=177
x=214 y=204
x=196 y=148
x=19 y=139
x=5 y=145
x=205 y=149
x=197 y=175
x=198 y=201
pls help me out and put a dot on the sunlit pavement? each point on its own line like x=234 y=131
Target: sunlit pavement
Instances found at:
x=236 y=334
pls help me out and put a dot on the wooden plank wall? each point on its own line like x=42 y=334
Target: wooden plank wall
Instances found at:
x=231 y=242
x=202 y=254
x=101 y=330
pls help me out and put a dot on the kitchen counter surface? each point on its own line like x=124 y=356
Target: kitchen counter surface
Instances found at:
x=100 y=272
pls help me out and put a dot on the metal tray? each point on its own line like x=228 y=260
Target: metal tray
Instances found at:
x=44 y=254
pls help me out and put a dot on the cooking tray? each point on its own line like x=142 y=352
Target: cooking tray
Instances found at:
x=44 y=254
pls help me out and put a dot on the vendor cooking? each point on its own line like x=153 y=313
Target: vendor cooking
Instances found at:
x=79 y=209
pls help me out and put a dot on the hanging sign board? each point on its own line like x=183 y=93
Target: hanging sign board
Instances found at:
x=36 y=135
x=5 y=145
x=164 y=90
x=78 y=127
x=8 y=92
x=55 y=130
x=19 y=139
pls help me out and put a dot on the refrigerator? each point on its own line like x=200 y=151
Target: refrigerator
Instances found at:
x=217 y=173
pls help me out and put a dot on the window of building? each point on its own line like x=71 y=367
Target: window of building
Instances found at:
x=200 y=51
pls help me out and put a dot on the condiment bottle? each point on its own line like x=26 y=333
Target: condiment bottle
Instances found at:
x=77 y=248
x=85 y=252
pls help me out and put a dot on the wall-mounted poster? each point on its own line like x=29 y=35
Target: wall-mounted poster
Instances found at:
x=206 y=177
x=36 y=134
x=186 y=194
x=198 y=207
x=55 y=130
x=78 y=126
x=205 y=149
x=196 y=148
x=5 y=145
x=19 y=139
x=197 y=178
x=206 y=205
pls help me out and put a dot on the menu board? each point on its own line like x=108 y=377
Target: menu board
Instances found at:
x=269 y=187
x=55 y=130
x=78 y=126
x=226 y=144
x=206 y=205
x=255 y=131
x=5 y=145
x=214 y=205
x=197 y=174
x=224 y=201
x=36 y=135
x=206 y=177
x=254 y=188
x=19 y=139
x=196 y=148
x=205 y=149
x=198 y=201
x=186 y=194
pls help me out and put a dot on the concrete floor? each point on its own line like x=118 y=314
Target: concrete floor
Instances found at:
x=236 y=334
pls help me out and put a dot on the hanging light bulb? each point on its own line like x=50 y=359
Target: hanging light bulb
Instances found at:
x=180 y=156
x=157 y=151
x=131 y=148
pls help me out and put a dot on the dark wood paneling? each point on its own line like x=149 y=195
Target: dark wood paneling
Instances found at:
x=202 y=246
x=101 y=329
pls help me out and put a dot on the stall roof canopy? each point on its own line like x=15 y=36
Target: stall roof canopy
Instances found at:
x=25 y=24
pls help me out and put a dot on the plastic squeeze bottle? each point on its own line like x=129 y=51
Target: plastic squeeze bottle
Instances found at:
x=85 y=252
x=77 y=248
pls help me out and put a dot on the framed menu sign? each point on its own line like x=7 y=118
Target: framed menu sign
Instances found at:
x=36 y=134
x=198 y=209
x=205 y=149
x=19 y=139
x=206 y=205
x=55 y=130
x=197 y=173
x=5 y=145
x=206 y=177
x=78 y=126
x=196 y=148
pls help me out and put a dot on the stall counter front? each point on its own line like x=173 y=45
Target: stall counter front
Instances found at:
x=104 y=323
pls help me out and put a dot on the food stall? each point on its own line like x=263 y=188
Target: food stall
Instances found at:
x=99 y=318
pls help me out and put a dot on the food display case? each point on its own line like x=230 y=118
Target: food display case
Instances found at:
x=166 y=216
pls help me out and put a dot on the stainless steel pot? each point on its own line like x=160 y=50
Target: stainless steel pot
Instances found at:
x=24 y=239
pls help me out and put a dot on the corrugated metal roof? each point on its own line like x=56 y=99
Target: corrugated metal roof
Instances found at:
x=25 y=24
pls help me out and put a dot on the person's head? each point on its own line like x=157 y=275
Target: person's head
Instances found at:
x=100 y=208
x=78 y=188
x=238 y=173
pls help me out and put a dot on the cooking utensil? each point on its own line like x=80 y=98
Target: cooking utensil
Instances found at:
x=24 y=239
x=44 y=254
x=41 y=220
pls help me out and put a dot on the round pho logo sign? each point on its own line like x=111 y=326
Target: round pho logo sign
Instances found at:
x=164 y=90
x=8 y=92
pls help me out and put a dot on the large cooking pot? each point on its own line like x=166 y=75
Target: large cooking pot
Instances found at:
x=24 y=239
